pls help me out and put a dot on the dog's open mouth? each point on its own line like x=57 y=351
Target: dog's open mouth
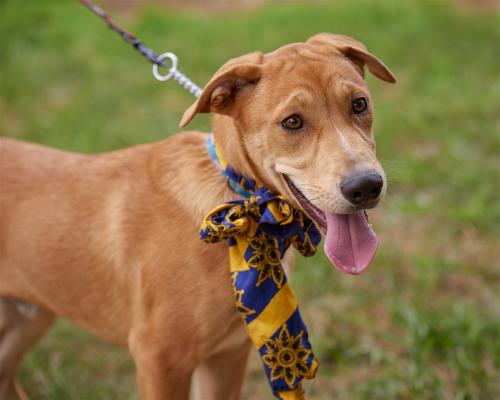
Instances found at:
x=350 y=243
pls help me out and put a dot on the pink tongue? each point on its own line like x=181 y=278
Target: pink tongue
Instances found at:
x=350 y=242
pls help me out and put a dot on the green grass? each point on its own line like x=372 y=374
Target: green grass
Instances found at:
x=423 y=322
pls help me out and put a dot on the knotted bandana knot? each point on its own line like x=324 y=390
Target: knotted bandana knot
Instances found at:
x=259 y=229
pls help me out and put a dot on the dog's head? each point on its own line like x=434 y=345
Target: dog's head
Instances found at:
x=303 y=119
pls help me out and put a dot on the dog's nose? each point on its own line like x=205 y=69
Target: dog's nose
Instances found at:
x=361 y=187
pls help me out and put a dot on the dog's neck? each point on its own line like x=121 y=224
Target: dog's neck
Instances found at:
x=205 y=186
x=230 y=141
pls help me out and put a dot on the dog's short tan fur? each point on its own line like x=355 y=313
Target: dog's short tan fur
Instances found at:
x=111 y=241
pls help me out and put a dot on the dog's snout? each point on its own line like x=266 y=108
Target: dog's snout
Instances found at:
x=361 y=188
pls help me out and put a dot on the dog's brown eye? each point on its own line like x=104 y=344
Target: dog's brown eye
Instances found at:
x=292 y=122
x=359 y=105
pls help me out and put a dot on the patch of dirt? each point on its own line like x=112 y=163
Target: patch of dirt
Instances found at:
x=212 y=6
x=479 y=5
x=215 y=6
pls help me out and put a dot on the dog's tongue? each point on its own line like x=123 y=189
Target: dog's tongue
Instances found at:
x=350 y=242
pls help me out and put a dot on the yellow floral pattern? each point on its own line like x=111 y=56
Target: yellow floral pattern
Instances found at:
x=287 y=358
x=266 y=259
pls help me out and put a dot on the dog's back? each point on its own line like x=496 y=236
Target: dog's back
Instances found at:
x=26 y=171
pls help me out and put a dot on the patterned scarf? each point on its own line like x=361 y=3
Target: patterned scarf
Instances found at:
x=259 y=230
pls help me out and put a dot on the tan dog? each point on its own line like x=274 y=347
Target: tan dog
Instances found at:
x=111 y=241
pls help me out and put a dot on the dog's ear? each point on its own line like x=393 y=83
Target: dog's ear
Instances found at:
x=356 y=52
x=220 y=93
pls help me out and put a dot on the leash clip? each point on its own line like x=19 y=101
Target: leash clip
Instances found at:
x=159 y=61
x=178 y=76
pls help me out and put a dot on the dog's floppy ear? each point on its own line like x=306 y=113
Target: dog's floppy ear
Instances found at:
x=226 y=85
x=356 y=52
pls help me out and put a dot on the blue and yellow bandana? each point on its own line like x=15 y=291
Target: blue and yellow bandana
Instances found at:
x=259 y=229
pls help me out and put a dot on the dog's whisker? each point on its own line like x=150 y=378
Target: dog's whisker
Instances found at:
x=318 y=197
x=306 y=185
x=310 y=191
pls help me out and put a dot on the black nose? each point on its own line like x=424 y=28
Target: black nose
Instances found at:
x=361 y=187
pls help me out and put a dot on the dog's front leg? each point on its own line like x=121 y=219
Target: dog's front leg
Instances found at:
x=220 y=377
x=163 y=369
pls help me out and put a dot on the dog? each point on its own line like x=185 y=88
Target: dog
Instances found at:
x=110 y=241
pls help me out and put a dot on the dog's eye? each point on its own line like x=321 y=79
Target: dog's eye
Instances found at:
x=359 y=105
x=293 y=122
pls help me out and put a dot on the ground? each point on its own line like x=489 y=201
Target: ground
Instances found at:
x=423 y=321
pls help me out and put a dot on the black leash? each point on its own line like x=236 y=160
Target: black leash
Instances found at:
x=156 y=60
x=128 y=37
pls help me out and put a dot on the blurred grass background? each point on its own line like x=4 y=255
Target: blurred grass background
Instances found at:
x=423 y=322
